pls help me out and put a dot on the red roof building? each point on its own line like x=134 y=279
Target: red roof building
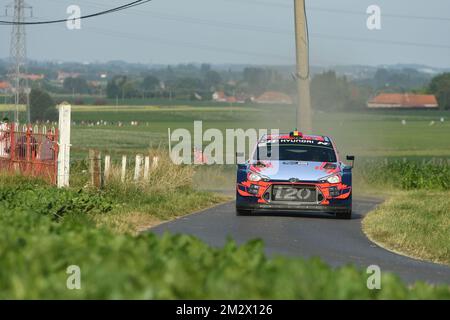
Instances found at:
x=403 y=100
x=4 y=85
x=32 y=77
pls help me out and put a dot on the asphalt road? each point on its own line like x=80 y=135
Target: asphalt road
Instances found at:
x=337 y=242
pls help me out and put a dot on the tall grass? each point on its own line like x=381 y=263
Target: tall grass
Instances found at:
x=406 y=174
x=165 y=177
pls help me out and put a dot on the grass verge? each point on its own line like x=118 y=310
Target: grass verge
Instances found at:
x=414 y=223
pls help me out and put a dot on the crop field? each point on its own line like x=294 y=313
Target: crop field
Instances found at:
x=367 y=134
x=389 y=133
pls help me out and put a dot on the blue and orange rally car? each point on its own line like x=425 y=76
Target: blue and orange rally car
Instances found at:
x=295 y=172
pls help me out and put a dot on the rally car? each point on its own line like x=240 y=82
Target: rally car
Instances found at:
x=295 y=172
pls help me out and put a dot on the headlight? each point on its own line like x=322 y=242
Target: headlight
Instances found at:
x=252 y=176
x=334 y=179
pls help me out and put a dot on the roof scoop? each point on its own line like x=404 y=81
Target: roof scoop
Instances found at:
x=330 y=166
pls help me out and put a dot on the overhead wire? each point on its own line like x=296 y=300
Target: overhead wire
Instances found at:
x=97 y=14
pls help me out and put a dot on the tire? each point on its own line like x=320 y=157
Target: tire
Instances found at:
x=344 y=215
x=242 y=212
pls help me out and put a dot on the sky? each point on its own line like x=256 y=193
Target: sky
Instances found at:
x=240 y=32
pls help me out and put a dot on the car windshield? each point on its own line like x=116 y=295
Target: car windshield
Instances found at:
x=298 y=152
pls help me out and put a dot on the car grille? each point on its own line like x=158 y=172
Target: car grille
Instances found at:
x=294 y=193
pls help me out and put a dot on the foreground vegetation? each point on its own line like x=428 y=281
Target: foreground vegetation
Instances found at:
x=43 y=231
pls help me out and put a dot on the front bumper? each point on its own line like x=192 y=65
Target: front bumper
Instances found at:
x=260 y=199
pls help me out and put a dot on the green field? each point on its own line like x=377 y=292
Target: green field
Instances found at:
x=367 y=134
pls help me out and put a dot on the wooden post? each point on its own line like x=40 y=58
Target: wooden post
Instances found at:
x=155 y=163
x=137 y=168
x=304 y=113
x=124 y=169
x=146 y=168
x=107 y=168
x=95 y=168
x=63 y=171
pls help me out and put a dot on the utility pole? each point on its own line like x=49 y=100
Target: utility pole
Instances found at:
x=18 y=53
x=304 y=114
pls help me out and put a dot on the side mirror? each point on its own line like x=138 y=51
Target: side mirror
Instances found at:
x=352 y=159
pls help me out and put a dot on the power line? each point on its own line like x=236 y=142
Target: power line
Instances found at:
x=97 y=14
x=265 y=29
x=185 y=44
x=352 y=12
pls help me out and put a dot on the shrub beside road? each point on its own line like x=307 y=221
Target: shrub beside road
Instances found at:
x=43 y=231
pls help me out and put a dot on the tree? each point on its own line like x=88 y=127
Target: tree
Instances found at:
x=330 y=92
x=188 y=84
x=114 y=88
x=42 y=106
x=440 y=87
x=76 y=85
x=212 y=79
x=150 y=83
x=260 y=80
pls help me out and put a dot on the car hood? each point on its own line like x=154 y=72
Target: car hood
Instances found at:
x=301 y=170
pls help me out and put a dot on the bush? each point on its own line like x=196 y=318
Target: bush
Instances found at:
x=46 y=200
x=36 y=251
x=406 y=175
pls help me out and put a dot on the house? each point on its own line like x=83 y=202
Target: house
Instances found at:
x=32 y=77
x=220 y=96
x=403 y=101
x=274 y=97
x=64 y=75
x=4 y=86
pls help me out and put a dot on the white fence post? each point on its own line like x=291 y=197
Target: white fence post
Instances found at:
x=65 y=110
x=146 y=168
x=124 y=168
x=107 y=167
x=137 y=168
x=155 y=163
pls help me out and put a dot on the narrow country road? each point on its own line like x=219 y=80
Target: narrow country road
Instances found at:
x=337 y=242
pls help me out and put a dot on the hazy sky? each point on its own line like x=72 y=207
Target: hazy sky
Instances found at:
x=241 y=31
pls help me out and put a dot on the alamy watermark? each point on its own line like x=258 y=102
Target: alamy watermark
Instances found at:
x=374 y=279
x=374 y=19
x=74 y=279
x=231 y=146
x=74 y=19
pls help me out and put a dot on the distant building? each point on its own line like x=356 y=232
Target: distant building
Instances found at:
x=64 y=75
x=4 y=86
x=220 y=96
x=403 y=101
x=274 y=97
x=33 y=77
